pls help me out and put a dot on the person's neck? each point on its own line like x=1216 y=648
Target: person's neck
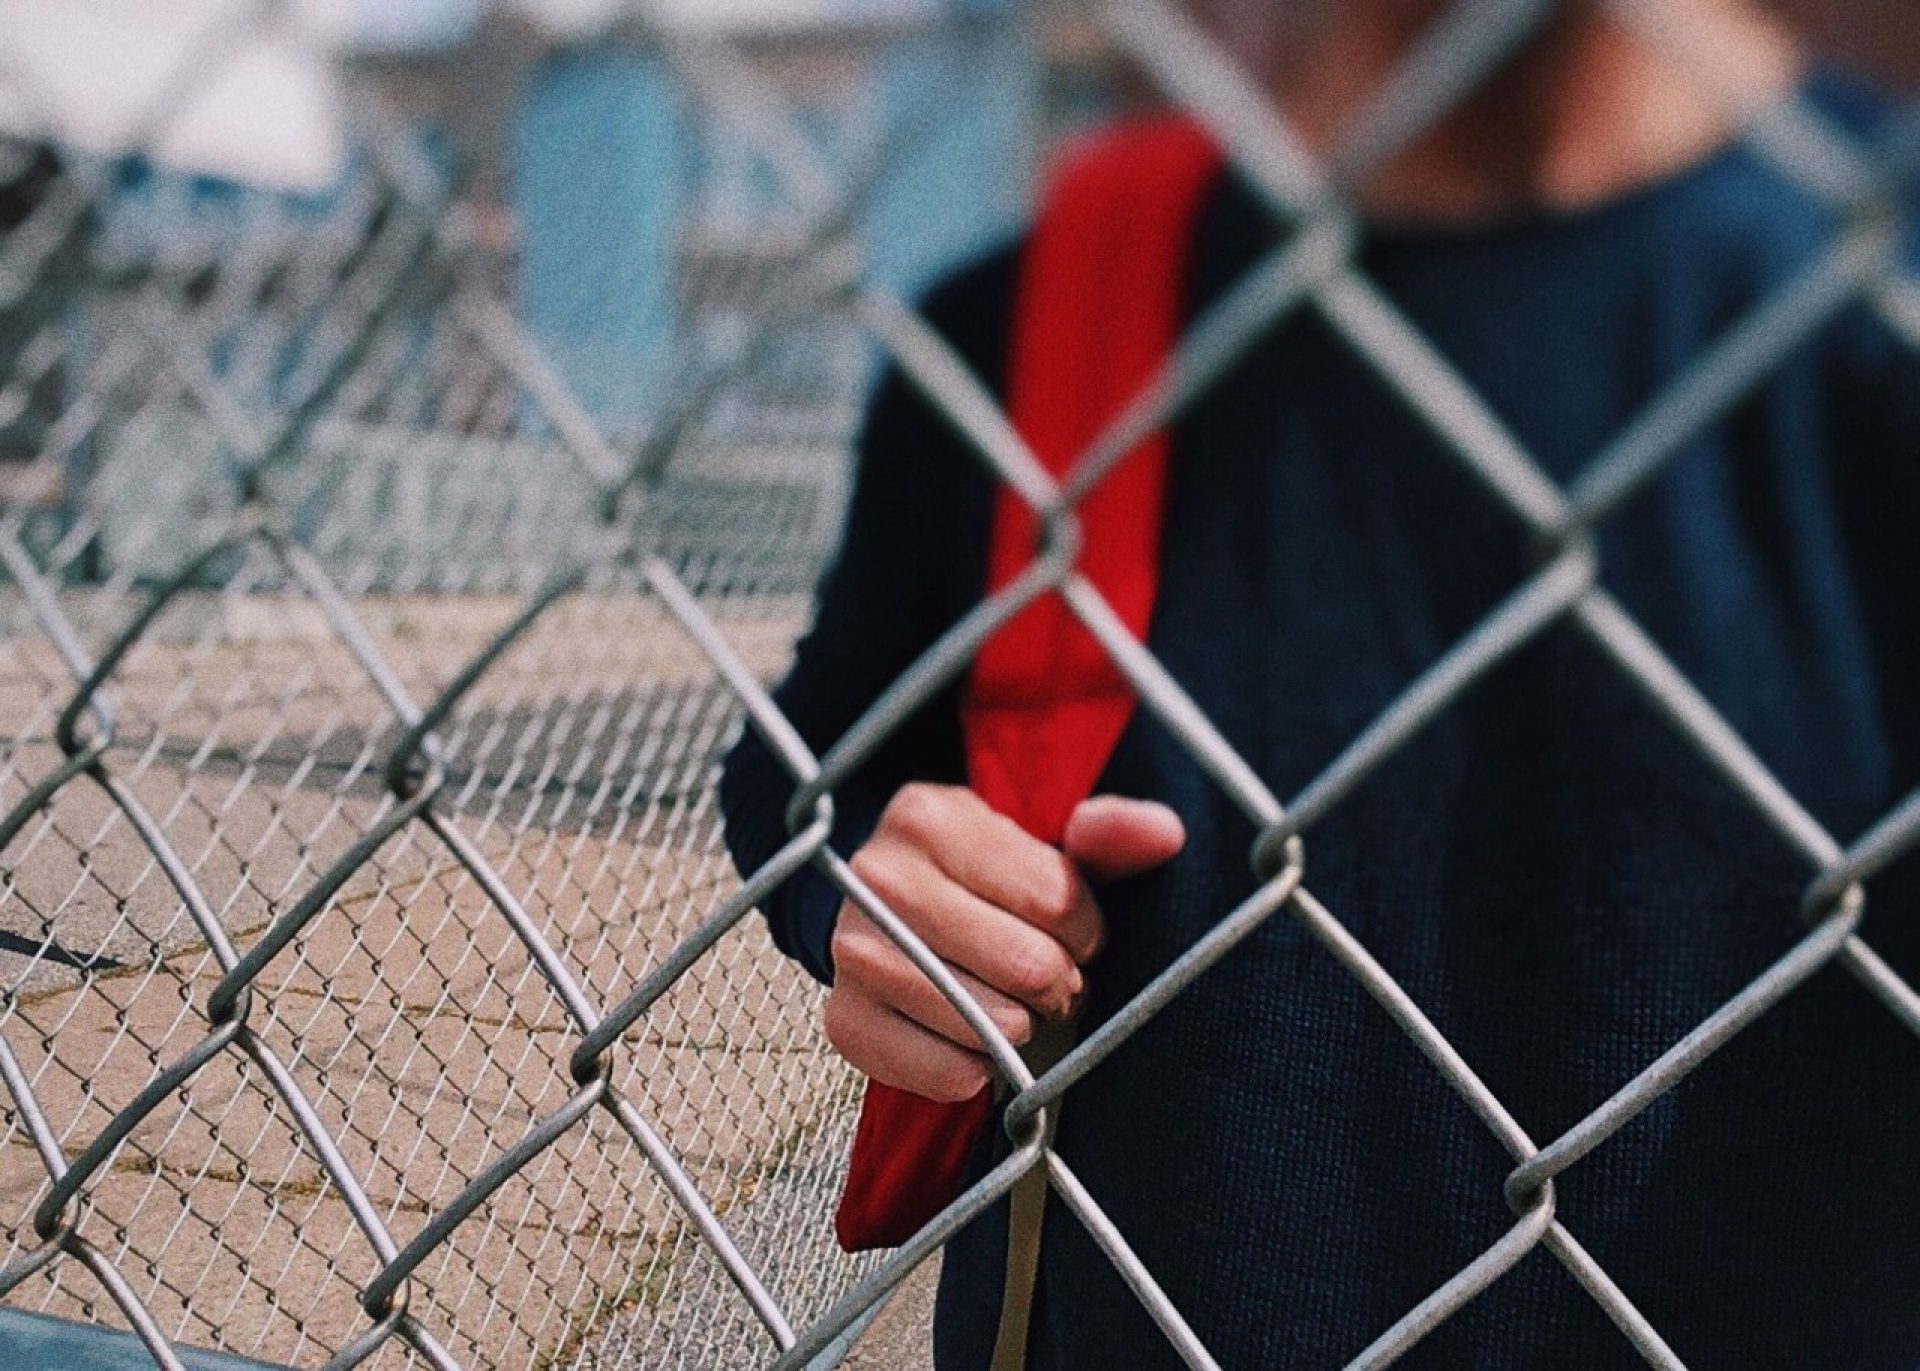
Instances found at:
x=1587 y=113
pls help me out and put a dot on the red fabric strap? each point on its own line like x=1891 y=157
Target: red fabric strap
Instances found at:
x=1099 y=311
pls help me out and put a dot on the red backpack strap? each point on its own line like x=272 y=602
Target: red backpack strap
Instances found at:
x=1100 y=304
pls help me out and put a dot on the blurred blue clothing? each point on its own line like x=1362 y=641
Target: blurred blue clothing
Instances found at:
x=1550 y=869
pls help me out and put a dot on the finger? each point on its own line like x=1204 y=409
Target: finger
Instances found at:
x=993 y=857
x=1109 y=837
x=896 y=1051
x=966 y=931
x=868 y=958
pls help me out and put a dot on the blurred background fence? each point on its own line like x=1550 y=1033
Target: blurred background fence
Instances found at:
x=374 y=380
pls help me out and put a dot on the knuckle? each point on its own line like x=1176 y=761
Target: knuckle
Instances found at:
x=880 y=873
x=961 y=1079
x=1035 y=969
x=1055 y=896
x=868 y=862
x=835 y=1022
x=915 y=811
x=853 y=951
x=1016 y=1025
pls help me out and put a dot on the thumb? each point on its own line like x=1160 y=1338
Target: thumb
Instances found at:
x=1109 y=837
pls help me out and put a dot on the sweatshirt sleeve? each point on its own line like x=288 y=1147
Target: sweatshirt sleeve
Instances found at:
x=911 y=559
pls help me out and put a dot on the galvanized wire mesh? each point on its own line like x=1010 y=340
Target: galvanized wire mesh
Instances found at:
x=376 y=988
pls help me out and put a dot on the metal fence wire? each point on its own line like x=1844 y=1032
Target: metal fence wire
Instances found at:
x=376 y=987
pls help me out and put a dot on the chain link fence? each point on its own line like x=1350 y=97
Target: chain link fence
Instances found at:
x=377 y=990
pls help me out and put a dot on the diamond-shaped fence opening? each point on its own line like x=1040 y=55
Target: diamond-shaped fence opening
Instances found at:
x=377 y=988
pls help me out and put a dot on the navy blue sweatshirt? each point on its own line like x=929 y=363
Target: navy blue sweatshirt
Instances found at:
x=1550 y=870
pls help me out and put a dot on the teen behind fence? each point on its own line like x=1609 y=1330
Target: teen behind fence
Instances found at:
x=1548 y=869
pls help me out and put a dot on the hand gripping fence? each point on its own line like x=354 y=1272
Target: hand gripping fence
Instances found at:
x=404 y=760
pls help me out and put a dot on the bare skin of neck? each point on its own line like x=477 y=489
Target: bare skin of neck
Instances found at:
x=1588 y=112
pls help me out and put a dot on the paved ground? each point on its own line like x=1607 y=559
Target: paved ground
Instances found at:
x=408 y=1012
x=902 y=1337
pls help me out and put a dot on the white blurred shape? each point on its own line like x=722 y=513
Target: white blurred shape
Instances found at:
x=252 y=95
